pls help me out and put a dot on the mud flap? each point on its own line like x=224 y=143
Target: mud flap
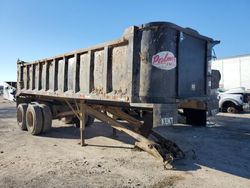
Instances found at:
x=196 y=117
x=164 y=114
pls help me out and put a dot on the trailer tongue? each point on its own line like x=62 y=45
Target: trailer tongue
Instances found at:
x=159 y=147
x=143 y=78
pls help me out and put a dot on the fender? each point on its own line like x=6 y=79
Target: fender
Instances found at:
x=222 y=101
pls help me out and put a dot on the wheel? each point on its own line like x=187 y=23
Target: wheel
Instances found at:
x=34 y=119
x=196 y=117
x=21 y=116
x=47 y=117
x=232 y=109
x=88 y=121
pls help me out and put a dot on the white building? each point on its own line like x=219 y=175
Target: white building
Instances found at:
x=235 y=71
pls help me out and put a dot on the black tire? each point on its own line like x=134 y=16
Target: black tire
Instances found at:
x=34 y=119
x=230 y=107
x=196 y=117
x=88 y=121
x=21 y=116
x=47 y=117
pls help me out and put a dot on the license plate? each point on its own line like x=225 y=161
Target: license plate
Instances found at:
x=167 y=121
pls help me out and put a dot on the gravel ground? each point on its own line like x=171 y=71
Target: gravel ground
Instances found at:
x=217 y=156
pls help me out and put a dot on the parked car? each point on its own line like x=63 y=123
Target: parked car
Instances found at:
x=233 y=100
x=9 y=91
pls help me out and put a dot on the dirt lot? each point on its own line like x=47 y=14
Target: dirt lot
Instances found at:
x=55 y=159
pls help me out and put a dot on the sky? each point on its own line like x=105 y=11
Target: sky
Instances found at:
x=32 y=29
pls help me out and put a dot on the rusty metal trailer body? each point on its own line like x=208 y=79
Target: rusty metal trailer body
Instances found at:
x=153 y=69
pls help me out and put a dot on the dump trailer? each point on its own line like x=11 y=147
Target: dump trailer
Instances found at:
x=142 y=78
